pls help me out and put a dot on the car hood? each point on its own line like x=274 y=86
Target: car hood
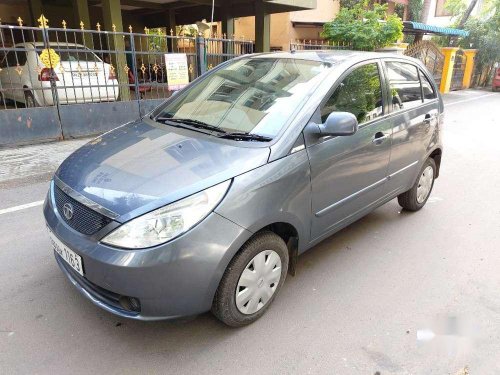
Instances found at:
x=144 y=165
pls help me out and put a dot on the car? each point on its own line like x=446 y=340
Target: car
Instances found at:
x=496 y=80
x=78 y=75
x=206 y=203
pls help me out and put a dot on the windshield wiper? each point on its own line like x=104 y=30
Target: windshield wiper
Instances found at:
x=191 y=123
x=246 y=137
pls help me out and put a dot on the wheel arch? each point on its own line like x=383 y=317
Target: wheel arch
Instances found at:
x=436 y=155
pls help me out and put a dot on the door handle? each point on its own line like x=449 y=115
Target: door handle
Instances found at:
x=428 y=120
x=379 y=137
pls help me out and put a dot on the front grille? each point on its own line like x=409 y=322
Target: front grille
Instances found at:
x=84 y=220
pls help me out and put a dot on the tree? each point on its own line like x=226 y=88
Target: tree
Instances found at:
x=364 y=27
x=423 y=18
x=467 y=14
x=484 y=34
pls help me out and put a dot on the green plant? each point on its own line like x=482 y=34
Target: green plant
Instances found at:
x=484 y=37
x=364 y=27
x=156 y=39
x=484 y=33
x=414 y=10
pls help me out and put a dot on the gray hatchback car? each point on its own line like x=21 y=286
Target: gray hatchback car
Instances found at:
x=206 y=203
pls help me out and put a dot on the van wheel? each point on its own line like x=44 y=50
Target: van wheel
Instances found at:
x=252 y=280
x=415 y=198
x=29 y=100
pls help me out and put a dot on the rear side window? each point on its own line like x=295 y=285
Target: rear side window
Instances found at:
x=404 y=84
x=359 y=93
x=427 y=88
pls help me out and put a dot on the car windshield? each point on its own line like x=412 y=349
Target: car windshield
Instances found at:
x=250 y=95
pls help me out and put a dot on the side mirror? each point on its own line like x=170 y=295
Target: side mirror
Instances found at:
x=339 y=124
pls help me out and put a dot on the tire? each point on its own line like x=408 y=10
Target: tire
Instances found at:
x=410 y=200
x=29 y=100
x=263 y=246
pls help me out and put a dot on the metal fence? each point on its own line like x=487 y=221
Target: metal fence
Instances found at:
x=430 y=54
x=315 y=45
x=82 y=82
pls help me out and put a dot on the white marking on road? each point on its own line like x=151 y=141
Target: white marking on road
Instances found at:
x=469 y=100
x=21 y=207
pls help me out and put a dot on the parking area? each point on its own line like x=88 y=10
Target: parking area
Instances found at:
x=394 y=293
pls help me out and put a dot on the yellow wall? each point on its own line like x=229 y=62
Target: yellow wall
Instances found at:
x=282 y=30
x=325 y=11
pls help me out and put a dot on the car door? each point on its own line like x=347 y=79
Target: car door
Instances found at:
x=410 y=118
x=348 y=172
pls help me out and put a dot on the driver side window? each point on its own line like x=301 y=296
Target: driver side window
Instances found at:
x=359 y=93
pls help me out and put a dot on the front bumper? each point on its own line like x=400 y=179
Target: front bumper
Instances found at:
x=173 y=280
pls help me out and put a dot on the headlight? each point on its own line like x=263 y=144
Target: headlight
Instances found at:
x=166 y=223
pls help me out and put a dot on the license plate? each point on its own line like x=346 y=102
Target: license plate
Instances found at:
x=68 y=255
x=83 y=74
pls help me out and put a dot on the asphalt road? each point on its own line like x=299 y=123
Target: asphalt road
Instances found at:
x=395 y=293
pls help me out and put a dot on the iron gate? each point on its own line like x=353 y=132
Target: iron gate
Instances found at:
x=457 y=77
x=427 y=52
x=64 y=83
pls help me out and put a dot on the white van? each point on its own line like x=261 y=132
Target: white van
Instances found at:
x=79 y=77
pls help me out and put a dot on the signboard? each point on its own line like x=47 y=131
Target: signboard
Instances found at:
x=177 y=70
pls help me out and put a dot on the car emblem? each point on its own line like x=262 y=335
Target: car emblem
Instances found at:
x=68 y=211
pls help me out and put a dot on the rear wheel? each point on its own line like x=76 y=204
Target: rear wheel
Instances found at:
x=415 y=198
x=29 y=100
x=252 y=280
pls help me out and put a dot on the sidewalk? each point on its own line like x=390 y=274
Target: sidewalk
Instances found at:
x=34 y=163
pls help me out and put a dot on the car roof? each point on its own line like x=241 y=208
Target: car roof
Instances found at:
x=56 y=44
x=333 y=56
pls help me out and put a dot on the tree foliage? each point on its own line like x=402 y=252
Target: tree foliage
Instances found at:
x=415 y=9
x=364 y=27
x=484 y=35
x=484 y=32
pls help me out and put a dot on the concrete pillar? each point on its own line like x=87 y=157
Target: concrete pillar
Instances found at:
x=171 y=29
x=81 y=14
x=227 y=22
x=449 y=61
x=112 y=15
x=262 y=28
x=228 y=29
x=470 y=55
x=391 y=6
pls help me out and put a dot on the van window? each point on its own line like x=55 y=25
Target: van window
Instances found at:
x=359 y=93
x=427 y=88
x=404 y=84
x=72 y=53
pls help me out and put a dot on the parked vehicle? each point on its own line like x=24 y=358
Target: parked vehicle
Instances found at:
x=496 y=80
x=206 y=203
x=78 y=75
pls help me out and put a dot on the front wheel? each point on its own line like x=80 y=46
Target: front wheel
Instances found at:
x=252 y=280
x=415 y=198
